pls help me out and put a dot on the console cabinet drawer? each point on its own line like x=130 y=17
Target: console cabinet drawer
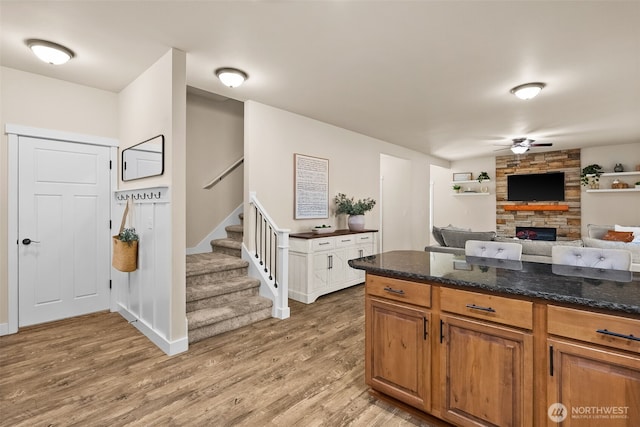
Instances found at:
x=323 y=244
x=604 y=329
x=502 y=310
x=399 y=290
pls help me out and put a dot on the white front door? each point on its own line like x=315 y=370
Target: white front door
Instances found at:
x=63 y=229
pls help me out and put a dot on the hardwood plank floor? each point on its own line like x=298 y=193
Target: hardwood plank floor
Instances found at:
x=97 y=370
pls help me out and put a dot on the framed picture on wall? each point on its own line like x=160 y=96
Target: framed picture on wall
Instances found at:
x=462 y=176
x=310 y=187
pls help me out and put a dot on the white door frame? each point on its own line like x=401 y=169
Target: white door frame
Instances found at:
x=13 y=133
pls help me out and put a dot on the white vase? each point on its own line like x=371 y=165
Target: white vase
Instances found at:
x=356 y=222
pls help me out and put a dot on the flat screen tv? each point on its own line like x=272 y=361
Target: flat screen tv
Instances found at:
x=536 y=187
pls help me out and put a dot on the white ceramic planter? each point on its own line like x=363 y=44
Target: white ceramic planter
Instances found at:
x=356 y=222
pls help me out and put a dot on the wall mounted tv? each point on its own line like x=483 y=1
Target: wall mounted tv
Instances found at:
x=536 y=187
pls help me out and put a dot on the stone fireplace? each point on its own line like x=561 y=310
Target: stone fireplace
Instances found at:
x=536 y=233
x=563 y=216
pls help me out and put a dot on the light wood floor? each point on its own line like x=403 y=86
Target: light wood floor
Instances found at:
x=97 y=370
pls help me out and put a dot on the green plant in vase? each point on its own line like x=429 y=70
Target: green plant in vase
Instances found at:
x=355 y=210
x=591 y=175
x=483 y=176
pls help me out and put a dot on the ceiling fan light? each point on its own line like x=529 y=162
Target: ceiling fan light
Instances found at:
x=231 y=77
x=519 y=149
x=527 y=91
x=49 y=52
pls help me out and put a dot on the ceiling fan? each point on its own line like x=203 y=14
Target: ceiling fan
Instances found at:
x=522 y=145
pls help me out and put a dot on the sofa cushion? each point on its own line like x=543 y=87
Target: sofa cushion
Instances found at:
x=618 y=236
x=634 y=230
x=457 y=238
x=437 y=232
x=596 y=231
x=634 y=248
x=539 y=247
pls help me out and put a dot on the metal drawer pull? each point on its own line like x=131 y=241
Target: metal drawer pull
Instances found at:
x=395 y=291
x=615 y=334
x=324 y=243
x=345 y=241
x=364 y=238
x=477 y=307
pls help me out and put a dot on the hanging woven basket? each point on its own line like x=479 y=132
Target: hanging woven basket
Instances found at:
x=125 y=254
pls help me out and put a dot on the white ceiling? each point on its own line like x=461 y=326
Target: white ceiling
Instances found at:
x=433 y=76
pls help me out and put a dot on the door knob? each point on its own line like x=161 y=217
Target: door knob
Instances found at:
x=28 y=241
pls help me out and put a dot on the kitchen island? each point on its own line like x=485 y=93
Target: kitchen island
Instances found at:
x=476 y=341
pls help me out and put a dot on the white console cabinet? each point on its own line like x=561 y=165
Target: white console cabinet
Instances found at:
x=318 y=262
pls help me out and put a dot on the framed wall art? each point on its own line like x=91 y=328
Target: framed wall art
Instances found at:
x=462 y=176
x=311 y=187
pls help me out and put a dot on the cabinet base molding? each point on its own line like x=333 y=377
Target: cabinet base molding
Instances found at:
x=431 y=420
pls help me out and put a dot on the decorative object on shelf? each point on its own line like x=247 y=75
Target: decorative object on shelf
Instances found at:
x=617 y=184
x=484 y=189
x=462 y=176
x=638 y=185
x=483 y=176
x=322 y=229
x=355 y=210
x=591 y=175
x=456 y=188
x=637 y=168
x=618 y=167
x=125 y=246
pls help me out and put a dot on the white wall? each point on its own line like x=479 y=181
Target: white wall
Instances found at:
x=611 y=208
x=215 y=139
x=153 y=104
x=475 y=212
x=272 y=136
x=42 y=102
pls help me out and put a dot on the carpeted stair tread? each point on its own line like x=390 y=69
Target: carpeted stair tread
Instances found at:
x=214 y=329
x=237 y=228
x=212 y=262
x=227 y=243
x=238 y=308
x=221 y=287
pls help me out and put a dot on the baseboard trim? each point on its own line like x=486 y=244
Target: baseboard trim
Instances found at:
x=4 y=329
x=171 y=348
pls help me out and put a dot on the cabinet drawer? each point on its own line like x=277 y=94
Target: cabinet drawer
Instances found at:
x=597 y=328
x=323 y=244
x=502 y=310
x=399 y=290
x=364 y=238
x=345 y=241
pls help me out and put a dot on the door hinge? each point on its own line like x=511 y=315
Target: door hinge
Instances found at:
x=110 y=164
x=109 y=283
x=551 y=360
x=109 y=224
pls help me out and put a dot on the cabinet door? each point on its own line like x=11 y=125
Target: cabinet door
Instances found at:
x=358 y=252
x=488 y=374
x=338 y=266
x=398 y=357
x=321 y=265
x=597 y=387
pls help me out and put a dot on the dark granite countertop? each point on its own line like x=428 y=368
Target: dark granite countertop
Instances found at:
x=602 y=289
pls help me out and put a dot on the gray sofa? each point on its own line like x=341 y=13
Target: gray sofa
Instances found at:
x=452 y=240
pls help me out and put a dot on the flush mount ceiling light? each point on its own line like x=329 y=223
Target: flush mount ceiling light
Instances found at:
x=527 y=91
x=231 y=77
x=49 y=52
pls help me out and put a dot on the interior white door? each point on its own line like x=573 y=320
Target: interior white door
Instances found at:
x=63 y=229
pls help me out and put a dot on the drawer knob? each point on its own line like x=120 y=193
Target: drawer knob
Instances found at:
x=394 y=291
x=479 y=307
x=615 y=334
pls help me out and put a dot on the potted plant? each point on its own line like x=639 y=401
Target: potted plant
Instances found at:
x=125 y=250
x=456 y=188
x=355 y=210
x=483 y=176
x=637 y=185
x=591 y=175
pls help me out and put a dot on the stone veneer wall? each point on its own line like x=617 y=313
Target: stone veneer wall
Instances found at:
x=567 y=222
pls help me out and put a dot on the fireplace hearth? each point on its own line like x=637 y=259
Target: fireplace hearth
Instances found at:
x=536 y=233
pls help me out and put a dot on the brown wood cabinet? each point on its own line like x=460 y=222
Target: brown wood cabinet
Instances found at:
x=480 y=359
x=398 y=349
x=488 y=373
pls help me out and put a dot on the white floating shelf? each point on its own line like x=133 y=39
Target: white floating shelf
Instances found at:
x=609 y=174
x=474 y=181
x=471 y=194
x=615 y=190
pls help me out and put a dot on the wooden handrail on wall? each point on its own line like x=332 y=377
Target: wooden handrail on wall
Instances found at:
x=224 y=173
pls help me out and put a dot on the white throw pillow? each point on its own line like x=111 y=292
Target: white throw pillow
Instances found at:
x=635 y=230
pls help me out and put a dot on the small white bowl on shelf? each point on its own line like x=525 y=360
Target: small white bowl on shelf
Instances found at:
x=322 y=230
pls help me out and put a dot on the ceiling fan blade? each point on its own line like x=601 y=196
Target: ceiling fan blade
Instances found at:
x=543 y=144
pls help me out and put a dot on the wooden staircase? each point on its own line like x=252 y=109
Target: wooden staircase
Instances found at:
x=220 y=295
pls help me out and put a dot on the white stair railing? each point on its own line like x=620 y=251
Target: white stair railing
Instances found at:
x=269 y=255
